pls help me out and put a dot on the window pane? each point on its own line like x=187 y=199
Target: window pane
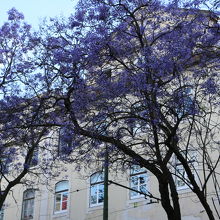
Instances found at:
x=34 y=160
x=65 y=196
x=57 y=207
x=138 y=181
x=28 y=209
x=97 y=177
x=28 y=205
x=61 y=201
x=93 y=194
x=64 y=201
x=134 y=181
x=93 y=190
x=61 y=186
x=93 y=199
x=137 y=169
x=64 y=205
x=142 y=178
x=28 y=194
x=132 y=193
x=101 y=198
x=31 y=207
x=191 y=157
x=96 y=188
x=96 y=194
x=2 y=213
x=65 y=141
x=180 y=172
x=143 y=188
x=101 y=188
x=101 y=193
x=58 y=198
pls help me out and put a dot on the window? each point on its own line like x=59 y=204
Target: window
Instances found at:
x=181 y=178
x=61 y=196
x=2 y=213
x=35 y=157
x=4 y=165
x=96 y=189
x=185 y=102
x=65 y=141
x=138 y=181
x=28 y=205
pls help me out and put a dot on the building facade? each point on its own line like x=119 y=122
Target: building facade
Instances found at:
x=79 y=196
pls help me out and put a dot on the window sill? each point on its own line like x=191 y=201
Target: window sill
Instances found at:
x=95 y=207
x=60 y=213
x=131 y=202
x=183 y=189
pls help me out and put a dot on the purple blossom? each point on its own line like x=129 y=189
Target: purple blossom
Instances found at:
x=13 y=14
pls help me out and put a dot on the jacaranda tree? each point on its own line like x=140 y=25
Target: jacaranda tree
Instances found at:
x=138 y=78
x=25 y=120
x=142 y=77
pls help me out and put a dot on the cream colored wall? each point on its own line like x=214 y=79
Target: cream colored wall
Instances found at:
x=120 y=206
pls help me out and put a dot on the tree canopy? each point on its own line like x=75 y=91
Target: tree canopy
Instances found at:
x=141 y=77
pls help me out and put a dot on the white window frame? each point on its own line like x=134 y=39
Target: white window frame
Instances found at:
x=27 y=203
x=62 y=193
x=99 y=184
x=137 y=172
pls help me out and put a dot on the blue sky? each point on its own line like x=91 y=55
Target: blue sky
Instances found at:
x=35 y=10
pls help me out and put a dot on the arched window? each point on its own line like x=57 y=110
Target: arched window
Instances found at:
x=28 y=205
x=61 y=196
x=138 y=181
x=96 y=189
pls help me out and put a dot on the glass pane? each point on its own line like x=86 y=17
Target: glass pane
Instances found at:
x=137 y=169
x=93 y=190
x=28 y=209
x=93 y=199
x=134 y=181
x=61 y=186
x=28 y=194
x=65 y=141
x=101 y=193
x=142 y=178
x=57 y=206
x=101 y=198
x=93 y=194
x=58 y=197
x=2 y=213
x=97 y=177
x=25 y=208
x=35 y=158
x=64 y=200
x=31 y=207
x=96 y=194
x=101 y=188
x=64 y=205
x=65 y=196
x=132 y=193
x=143 y=188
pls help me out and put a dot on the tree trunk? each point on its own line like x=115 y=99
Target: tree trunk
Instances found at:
x=205 y=204
x=172 y=213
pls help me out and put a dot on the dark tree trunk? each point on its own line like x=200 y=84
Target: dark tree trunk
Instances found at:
x=173 y=213
x=205 y=204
